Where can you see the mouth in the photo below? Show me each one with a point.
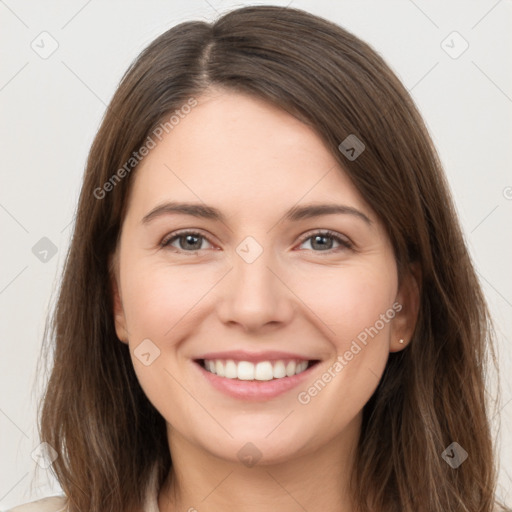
(265, 370)
(250, 377)
(254, 376)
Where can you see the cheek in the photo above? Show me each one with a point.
(158, 297)
(356, 305)
(349, 300)
(159, 306)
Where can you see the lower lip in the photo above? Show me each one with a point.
(255, 390)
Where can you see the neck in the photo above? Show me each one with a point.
(316, 480)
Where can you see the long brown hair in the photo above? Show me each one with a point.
(95, 415)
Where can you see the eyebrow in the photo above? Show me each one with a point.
(294, 214)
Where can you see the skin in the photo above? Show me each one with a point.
(253, 162)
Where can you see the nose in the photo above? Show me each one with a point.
(255, 295)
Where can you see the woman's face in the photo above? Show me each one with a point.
(223, 257)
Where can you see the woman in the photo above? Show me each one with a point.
(267, 302)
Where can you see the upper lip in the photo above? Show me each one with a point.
(254, 357)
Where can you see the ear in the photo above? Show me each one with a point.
(117, 303)
(407, 308)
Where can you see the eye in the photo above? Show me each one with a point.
(323, 241)
(188, 241)
(192, 241)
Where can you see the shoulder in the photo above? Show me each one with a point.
(53, 504)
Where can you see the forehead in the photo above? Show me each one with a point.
(239, 151)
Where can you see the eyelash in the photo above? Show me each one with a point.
(344, 243)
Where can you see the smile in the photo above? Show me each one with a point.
(260, 380)
(249, 371)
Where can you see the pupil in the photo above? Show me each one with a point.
(191, 238)
(322, 245)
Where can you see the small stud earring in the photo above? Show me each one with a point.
(401, 340)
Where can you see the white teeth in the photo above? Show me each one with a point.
(279, 370)
(245, 370)
(290, 368)
(301, 367)
(263, 371)
(230, 370)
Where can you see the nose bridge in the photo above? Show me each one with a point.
(252, 280)
(254, 296)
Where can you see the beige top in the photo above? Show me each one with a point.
(58, 503)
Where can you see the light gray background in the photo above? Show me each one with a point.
(51, 109)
